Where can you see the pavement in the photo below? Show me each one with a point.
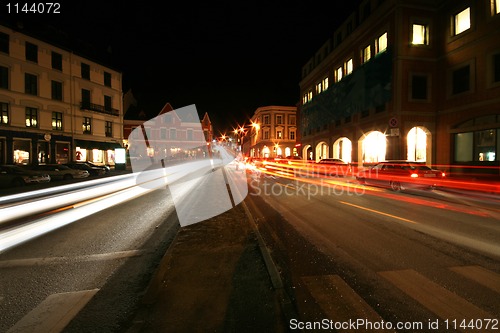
(217, 276)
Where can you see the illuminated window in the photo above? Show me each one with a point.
(87, 125)
(310, 95)
(325, 83)
(319, 88)
(348, 67)
(495, 7)
(57, 121)
(4, 113)
(366, 54)
(279, 135)
(338, 74)
(31, 117)
(461, 21)
(417, 145)
(420, 34)
(381, 43)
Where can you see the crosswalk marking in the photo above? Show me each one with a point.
(54, 313)
(439, 300)
(481, 275)
(339, 301)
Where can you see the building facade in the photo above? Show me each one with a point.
(56, 106)
(407, 79)
(272, 133)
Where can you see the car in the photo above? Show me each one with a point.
(333, 167)
(104, 167)
(401, 175)
(59, 171)
(14, 175)
(92, 170)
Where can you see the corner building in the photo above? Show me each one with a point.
(407, 79)
(56, 106)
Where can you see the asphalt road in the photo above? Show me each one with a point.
(427, 260)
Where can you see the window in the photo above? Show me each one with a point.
(419, 87)
(107, 103)
(338, 74)
(4, 43)
(366, 54)
(319, 88)
(57, 121)
(56, 61)
(496, 67)
(4, 113)
(495, 7)
(461, 21)
(87, 125)
(348, 67)
(85, 71)
(461, 80)
(266, 119)
(31, 52)
(306, 98)
(279, 135)
(291, 120)
(279, 119)
(57, 91)
(291, 135)
(266, 135)
(31, 117)
(4, 77)
(420, 34)
(108, 130)
(85, 98)
(163, 133)
(381, 43)
(325, 83)
(173, 133)
(107, 79)
(30, 84)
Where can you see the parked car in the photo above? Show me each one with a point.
(104, 167)
(92, 170)
(59, 171)
(333, 167)
(14, 175)
(401, 175)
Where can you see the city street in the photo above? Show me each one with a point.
(350, 252)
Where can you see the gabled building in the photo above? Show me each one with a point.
(407, 79)
(55, 105)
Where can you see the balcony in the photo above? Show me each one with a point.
(99, 108)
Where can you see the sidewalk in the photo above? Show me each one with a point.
(213, 278)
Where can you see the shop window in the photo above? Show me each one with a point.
(420, 34)
(461, 21)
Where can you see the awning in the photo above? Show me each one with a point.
(85, 144)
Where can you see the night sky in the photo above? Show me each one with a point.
(226, 57)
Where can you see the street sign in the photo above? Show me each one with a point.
(393, 122)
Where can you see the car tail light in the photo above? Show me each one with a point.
(443, 174)
(414, 175)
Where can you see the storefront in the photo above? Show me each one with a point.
(95, 151)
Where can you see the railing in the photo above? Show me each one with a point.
(99, 108)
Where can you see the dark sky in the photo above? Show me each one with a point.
(226, 57)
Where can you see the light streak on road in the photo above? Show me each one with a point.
(378, 212)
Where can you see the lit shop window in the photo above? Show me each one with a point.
(461, 21)
(338, 74)
(348, 67)
(381, 43)
(420, 34)
(366, 54)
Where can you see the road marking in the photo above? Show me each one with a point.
(441, 301)
(378, 212)
(56, 260)
(54, 313)
(338, 301)
(481, 275)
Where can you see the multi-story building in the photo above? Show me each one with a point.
(273, 132)
(56, 106)
(407, 79)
